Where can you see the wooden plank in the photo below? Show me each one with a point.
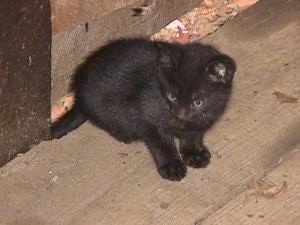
(25, 66)
(89, 178)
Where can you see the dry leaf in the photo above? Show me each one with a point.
(284, 98)
(175, 24)
(268, 189)
(183, 38)
(208, 3)
(122, 155)
(59, 109)
(244, 4)
(233, 6)
(199, 22)
(264, 188)
(164, 205)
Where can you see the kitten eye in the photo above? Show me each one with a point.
(198, 102)
(171, 96)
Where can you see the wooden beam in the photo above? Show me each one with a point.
(25, 70)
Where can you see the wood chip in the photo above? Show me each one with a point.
(284, 98)
(62, 107)
(164, 205)
(123, 155)
(265, 188)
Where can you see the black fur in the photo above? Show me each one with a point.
(136, 89)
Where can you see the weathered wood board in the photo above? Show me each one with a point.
(25, 75)
(88, 178)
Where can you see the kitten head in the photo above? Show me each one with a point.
(196, 81)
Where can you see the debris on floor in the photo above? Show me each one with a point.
(203, 20)
(264, 188)
(268, 189)
(284, 98)
(61, 107)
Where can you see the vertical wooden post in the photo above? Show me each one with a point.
(25, 75)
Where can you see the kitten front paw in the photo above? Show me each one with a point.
(197, 159)
(173, 171)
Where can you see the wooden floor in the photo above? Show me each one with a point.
(88, 178)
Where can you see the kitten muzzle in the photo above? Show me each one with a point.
(181, 114)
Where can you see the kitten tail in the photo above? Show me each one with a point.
(68, 122)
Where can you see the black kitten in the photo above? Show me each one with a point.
(137, 89)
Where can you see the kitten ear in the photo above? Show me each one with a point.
(167, 57)
(221, 68)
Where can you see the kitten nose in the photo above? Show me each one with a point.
(181, 114)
